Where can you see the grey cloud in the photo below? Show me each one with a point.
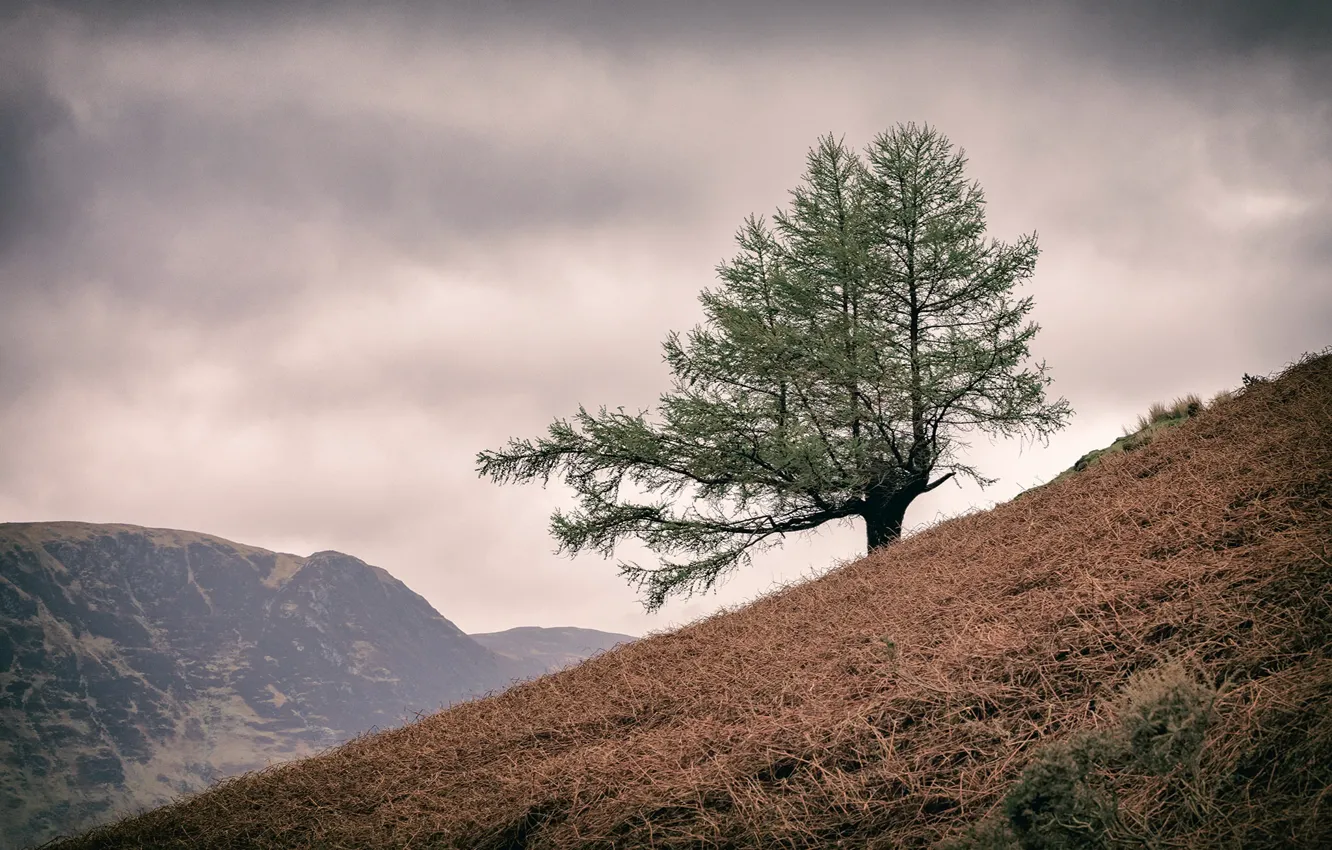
(1223, 26)
(445, 184)
(413, 185)
(420, 191)
(1226, 26)
(213, 323)
(29, 115)
(20, 126)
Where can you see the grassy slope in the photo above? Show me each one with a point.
(895, 700)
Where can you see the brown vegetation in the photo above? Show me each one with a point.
(901, 699)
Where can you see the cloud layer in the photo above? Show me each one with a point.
(279, 276)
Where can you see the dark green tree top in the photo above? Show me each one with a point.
(840, 349)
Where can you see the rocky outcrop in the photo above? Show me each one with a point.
(139, 664)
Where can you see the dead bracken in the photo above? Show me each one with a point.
(935, 690)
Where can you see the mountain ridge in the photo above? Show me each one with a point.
(137, 664)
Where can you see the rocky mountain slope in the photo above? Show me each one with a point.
(138, 664)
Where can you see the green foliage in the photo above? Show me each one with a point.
(1055, 806)
(1163, 715)
(1066, 798)
(841, 347)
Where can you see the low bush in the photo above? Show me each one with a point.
(1069, 796)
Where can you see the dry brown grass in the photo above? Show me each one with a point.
(1181, 408)
(896, 699)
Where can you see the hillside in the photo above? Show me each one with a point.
(974, 673)
(139, 664)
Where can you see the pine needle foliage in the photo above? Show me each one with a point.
(841, 348)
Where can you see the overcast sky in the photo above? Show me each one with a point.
(279, 277)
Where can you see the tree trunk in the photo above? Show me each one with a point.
(884, 510)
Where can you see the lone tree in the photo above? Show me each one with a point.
(835, 354)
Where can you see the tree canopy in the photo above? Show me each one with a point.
(840, 349)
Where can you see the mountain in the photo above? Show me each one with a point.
(138, 664)
(1134, 656)
(533, 650)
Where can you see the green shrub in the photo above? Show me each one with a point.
(1054, 806)
(1163, 715)
(1066, 797)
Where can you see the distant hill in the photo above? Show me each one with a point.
(1136, 655)
(137, 664)
(534, 650)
